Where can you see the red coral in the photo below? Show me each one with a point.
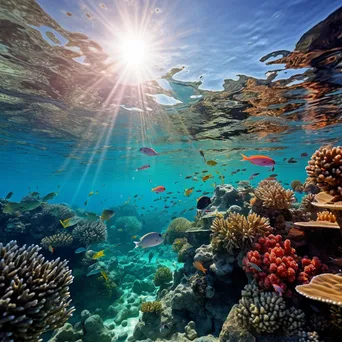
(311, 267)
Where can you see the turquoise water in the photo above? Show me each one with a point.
(79, 97)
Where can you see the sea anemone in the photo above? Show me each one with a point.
(88, 232)
(57, 240)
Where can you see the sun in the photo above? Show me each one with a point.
(134, 51)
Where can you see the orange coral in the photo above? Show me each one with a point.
(326, 216)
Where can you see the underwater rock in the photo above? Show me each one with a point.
(235, 209)
(224, 197)
(204, 254)
(94, 330)
(190, 331)
(222, 266)
(66, 333)
(142, 286)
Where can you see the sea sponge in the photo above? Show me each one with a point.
(273, 195)
(57, 240)
(261, 311)
(177, 229)
(129, 224)
(326, 216)
(88, 232)
(326, 287)
(325, 170)
(237, 232)
(151, 307)
(162, 276)
(61, 211)
(34, 293)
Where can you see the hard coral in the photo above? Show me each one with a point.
(61, 211)
(177, 229)
(237, 232)
(325, 170)
(326, 216)
(88, 232)
(311, 268)
(34, 293)
(152, 307)
(178, 244)
(162, 276)
(129, 224)
(57, 240)
(273, 195)
(297, 186)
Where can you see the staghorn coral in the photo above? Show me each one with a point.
(325, 288)
(260, 311)
(237, 232)
(273, 195)
(34, 293)
(88, 232)
(325, 170)
(151, 307)
(61, 211)
(326, 216)
(129, 224)
(162, 276)
(57, 240)
(177, 229)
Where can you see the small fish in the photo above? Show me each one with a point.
(205, 178)
(49, 196)
(51, 249)
(169, 193)
(150, 256)
(80, 250)
(278, 289)
(284, 159)
(206, 193)
(222, 179)
(188, 177)
(295, 233)
(98, 255)
(96, 193)
(134, 237)
(149, 240)
(271, 178)
(292, 161)
(11, 207)
(211, 162)
(146, 166)
(199, 266)
(96, 271)
(71, 221)
(91, 193)
(260, 160)
(203, 202)
(107, 214)
(256, 267)
(273, 175)
(304, 154)
(158, 189)
(253, 176)
(104, 275)
(29, 205)
(244, 170)
(205, 171)
(9, 195)
(85, 203)
(202, 154)
(188, 192)
(148, 151)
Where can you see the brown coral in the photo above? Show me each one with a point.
(325, 170)
(325, 287)
(273, 195)
(326, 216)
(57, 240)
(238, 231)
(88, 232)
(306, 202)
(297, 186)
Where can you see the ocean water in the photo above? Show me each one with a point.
(84, 85)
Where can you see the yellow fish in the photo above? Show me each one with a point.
(91, 193)
(134, 237)
(222, 178)
(205, 178)
(188, 192)
(11, 207)
(71, 221)
(218, 172)
(99, 254)
(96, 193)
(104, 275)
(211, 162)
(51, 249)
(213, 185)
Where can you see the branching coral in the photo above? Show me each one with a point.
(177, 229)
(88, 232)
(162, 276)
(237, 232)
(325, 169)
(62, 212)
(311, 268)
(34, 293)
(151, 307)
(326, 216)
(57, 240)
(129, 224)
(273, 195)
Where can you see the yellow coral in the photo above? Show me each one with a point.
(273, 195)
(237, 231)
(326, 216)
(154, 307)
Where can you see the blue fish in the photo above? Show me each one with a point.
(80, 250)
(256, 267)
(97, 271)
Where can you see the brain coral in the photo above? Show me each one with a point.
(273, 195)
(34, 293)
(177, 229)
(57, 240)
(88, 232)
(237, 232)
(129, 224)
(325, 170)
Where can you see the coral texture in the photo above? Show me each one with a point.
(177, 229)
(151, 306)
(306, 203)
(129, 224)
(326, 216)
(297, 186)
(34, 293)
(237, 232)
(88, 232)
(162, 276)
(273, 195)
(311, 268)
(57, 240)
(61, 211)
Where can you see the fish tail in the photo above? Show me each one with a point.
(136, 244)
(244, 157)
(62, 223)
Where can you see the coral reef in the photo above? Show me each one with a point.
(130, 224)
(151, 307)
(162, 277)
(326, 216)
(57, 240)
(34, 293)
(60, 211)
(237, 232)
(88, 232)
(177, 229)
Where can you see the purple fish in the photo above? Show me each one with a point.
(256, 267)
(148, 151)
(143, 167)
(278, 289)
(149, 240)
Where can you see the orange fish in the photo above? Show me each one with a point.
(295, 233)
(158, 189)
(260, 160)
(271, 178)
(199, 266)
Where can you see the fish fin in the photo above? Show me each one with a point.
(62, 223)
(136, 244)
(205, 270)
(244, 157)
(272, 168)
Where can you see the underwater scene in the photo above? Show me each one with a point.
(170, 170)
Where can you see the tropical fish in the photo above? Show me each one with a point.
(188, 192)
(273, 175)
(96, 193)
(150, 256)
(104, 275)
(9, 195)
(71, 221)
(134, 237)
(260, 160)
(202, 154)
(29, 205)
(278, 289)
(304, 154)
(205, 178)
(149, 240)
(11, 207)
(80, 250)
(222, 179)
(91, 193)
(146, 166)
(211, 162)
(188, 177)
(295, 233)
(199, 266)
(271, 178)
(203, 202)
(148, 151)
(107, 214)
(51, 249)
(158, 189)
(256, 267)
(96, 271)
(253, 176)
(292, 161)
(98, 255)
(49, 196)
(85, 203)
